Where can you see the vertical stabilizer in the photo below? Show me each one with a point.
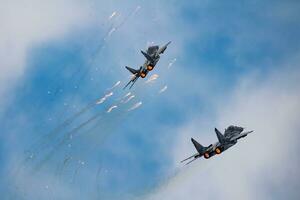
(199, 147)
(133, 71)
(221, 137)
(147, 56)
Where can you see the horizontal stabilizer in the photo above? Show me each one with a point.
(221, 137)
(133, 71)
(199, 147)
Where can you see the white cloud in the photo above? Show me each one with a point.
(25, 24)
(262, 165)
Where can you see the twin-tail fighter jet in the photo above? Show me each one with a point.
(231, 135)
(152, 57)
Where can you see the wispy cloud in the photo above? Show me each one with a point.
(24, 26)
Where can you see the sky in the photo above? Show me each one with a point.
(69, 130)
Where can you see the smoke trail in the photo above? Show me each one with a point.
(80, 164)
(171, 63)
(178, 175)
(97, 183)
(42, 141)
(129, 93)
(128, 16)
(122, 99)
(65, 139)
(85, 70)
(135, 106)
(100, 101)
(152, 78)
(115, 85)
(127, 100)
(46, 138)
(113, 29)
(163, 89)
(111, 108)
(107, 35)
(69, 134)
(112, 15)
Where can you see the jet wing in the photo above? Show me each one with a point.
(221, 137)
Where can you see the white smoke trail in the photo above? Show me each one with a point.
(111, 31)
(135, 106)
(136, 10)
(129, 93)
(131, 97)
(125, 98)
(163, 89)
(100, 101)
(171, 63)
(152, 78)
(115, 85)
(111, 108)
(112, 15)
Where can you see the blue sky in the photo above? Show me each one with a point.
(234, 62)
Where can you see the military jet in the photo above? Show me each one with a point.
(152, 57)
(231, 135)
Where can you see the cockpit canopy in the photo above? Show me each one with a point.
(234, 128)
(152, 49)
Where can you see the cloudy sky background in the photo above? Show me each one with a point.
(233, 63)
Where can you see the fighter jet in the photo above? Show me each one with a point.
(231, 135)
(152, 57)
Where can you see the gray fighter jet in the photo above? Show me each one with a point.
(231, 135)
(152, 57)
